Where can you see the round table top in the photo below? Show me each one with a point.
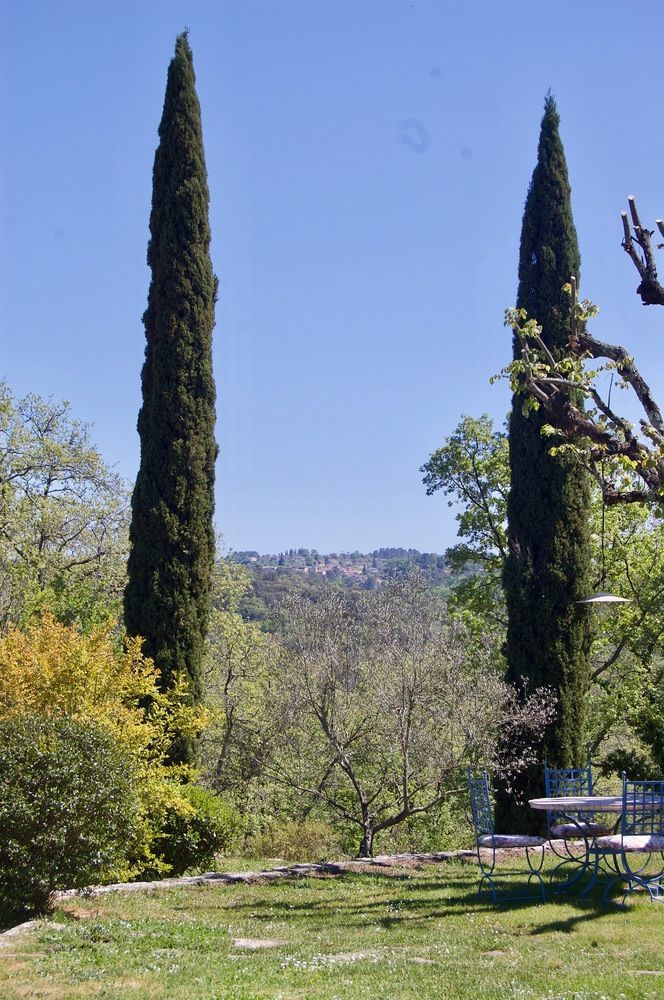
(579, 803)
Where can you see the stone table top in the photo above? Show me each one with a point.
(597, 803)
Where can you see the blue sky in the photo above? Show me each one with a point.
(368, 163)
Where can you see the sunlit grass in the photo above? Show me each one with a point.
(413, 932)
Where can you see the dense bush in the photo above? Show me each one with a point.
(51, 670)
(67, 808)
(196, 828)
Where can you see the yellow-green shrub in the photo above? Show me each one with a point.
(53, 670)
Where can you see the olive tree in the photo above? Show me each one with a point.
(239, 654)
(379, 703)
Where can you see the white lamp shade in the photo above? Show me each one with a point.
(603, 598)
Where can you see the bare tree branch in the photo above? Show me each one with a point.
(650, 290)
(599, 437)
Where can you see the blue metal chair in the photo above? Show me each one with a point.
(637, 851)
(570, 781)
(486, 839)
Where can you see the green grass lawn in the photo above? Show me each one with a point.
(406, 932)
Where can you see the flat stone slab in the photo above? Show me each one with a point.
(29, 925)
(255, 943)
(352, 956)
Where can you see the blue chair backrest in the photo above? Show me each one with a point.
(564, 781)
(643, 807)
(559, 781)
(480, 801)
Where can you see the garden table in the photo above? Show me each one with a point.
(574, 806)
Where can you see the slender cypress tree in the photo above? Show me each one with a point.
(548, 564)
(172, 539)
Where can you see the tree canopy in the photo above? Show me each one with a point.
(63, 516)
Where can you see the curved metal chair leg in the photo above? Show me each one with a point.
(486, 876)
(581, 868)
(582, 862)
(535, 869)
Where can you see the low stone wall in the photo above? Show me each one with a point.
(279, 872)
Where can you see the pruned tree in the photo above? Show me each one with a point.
(379, 703)
(627, 462)
(636, 235)
(627, 655)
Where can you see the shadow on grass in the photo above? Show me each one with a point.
(423, 903)
(12, 918)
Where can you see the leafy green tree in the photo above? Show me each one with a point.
(627, 543)
(628, 653)
(471, 468)
(63, 517)
(167, 598)
(548, 559)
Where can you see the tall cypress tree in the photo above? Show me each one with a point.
(548, 565)
(172, 538)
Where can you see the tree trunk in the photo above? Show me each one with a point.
(366, 844)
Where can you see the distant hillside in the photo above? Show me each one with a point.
(307, 570)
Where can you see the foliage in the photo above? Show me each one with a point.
(628, 463)
(627, 652)
(196, 828)
(648, 721)
(53, 671)
(239, 654)
(442, 829)
(472, 468)
(295, 840)
(378, 704)
(63, 516)
(172, 539)
(548, 554)
(67, 807)
(627, 546)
